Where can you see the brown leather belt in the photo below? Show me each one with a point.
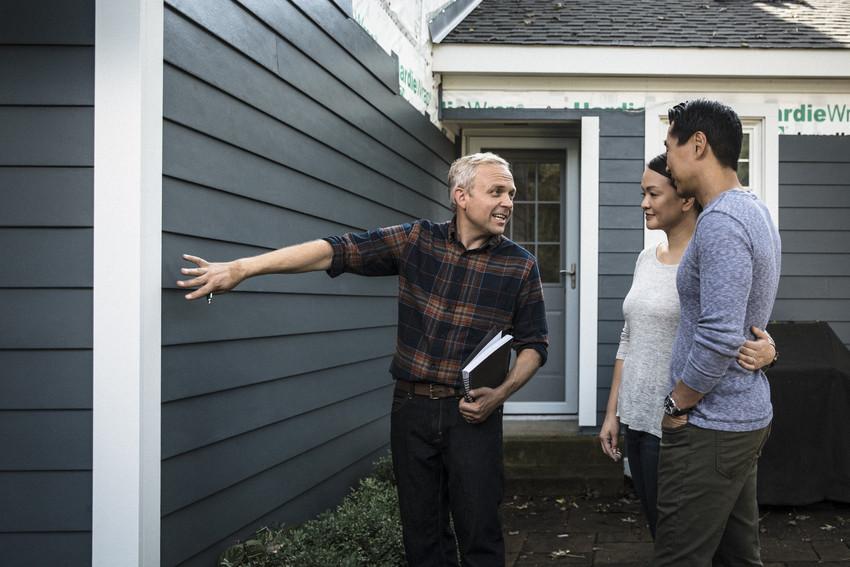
(428, 390)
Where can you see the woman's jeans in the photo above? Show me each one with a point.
(642, 452)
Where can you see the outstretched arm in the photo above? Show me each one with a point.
(218, 277)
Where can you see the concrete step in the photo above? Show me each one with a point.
(560, 464)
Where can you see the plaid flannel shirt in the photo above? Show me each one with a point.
(449, 297)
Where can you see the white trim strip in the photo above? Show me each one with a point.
(448, 28)
(126, 457)
(640, 61)
(588, 270)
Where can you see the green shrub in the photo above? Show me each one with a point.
(364, 530)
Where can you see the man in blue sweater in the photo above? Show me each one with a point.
(718, 414)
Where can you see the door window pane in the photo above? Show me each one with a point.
(548, 223)
(549, 182)
(524, 180)
(548, 259)
(522, 223)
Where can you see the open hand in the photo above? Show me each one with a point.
(216, 277)
(485, 401)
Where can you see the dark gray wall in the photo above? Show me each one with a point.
(46, 191)
(620, 218)
(282, 124)
(814, 222)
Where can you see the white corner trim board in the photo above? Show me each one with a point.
(126, 456)
(639, 61)
(589, 272)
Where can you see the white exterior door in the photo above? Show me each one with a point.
(545, 222)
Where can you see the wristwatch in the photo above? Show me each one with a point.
(671, 409)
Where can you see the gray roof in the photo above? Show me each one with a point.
(776, 24)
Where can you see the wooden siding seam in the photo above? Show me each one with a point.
(274, 466)
(318, 103)
(277, 206)
(272, 293)
(277, 164)
(241, 387)
(231, 536)
(277, 34)
(174, 120)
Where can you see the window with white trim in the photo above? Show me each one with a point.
(750, 162)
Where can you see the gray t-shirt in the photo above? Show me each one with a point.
(651, 313)
(727, 283)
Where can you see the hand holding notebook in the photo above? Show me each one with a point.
(487, 365)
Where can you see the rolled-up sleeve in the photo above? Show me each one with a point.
(373, 253)
(530, 330)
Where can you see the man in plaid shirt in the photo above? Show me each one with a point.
(457, 280)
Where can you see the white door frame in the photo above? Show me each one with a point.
(473, 141)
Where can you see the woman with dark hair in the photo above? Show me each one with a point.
(651, 311)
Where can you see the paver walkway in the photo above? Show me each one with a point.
(589, 529)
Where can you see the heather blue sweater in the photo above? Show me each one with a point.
(727, 282)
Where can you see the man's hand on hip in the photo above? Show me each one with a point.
(485, 401)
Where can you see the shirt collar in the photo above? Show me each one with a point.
(491, 242)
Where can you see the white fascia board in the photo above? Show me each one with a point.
(640, 61)
(126, 452)
(588, 271)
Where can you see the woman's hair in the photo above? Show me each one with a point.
(658, 164)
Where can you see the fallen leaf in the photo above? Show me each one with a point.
(513, 532)
(827, 527)
(628, 520)
(563, 535)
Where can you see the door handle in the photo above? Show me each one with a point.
(572, 273)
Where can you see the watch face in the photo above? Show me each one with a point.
(669, 406)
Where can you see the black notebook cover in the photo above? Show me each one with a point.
(491, 371)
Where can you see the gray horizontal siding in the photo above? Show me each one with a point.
(281, 125)
(321, 496)
(184, 531)
(48, 22)
(53, 548)
(231, 460)
(621, 165)
(814, 222)
(208, 367)
(46, 190)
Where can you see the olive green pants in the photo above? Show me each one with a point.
(707, 509)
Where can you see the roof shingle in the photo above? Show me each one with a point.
(773, 24)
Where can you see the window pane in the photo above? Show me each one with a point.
(548, 223)
(745, 147)
(744, 173)
(522, 223)
(549, 182)
(549, 260)
(524, 181)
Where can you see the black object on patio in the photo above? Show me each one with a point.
(807, 457)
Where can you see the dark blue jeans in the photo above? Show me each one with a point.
(642, 450)
(447, 468)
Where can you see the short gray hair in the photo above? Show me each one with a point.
(463, 170)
